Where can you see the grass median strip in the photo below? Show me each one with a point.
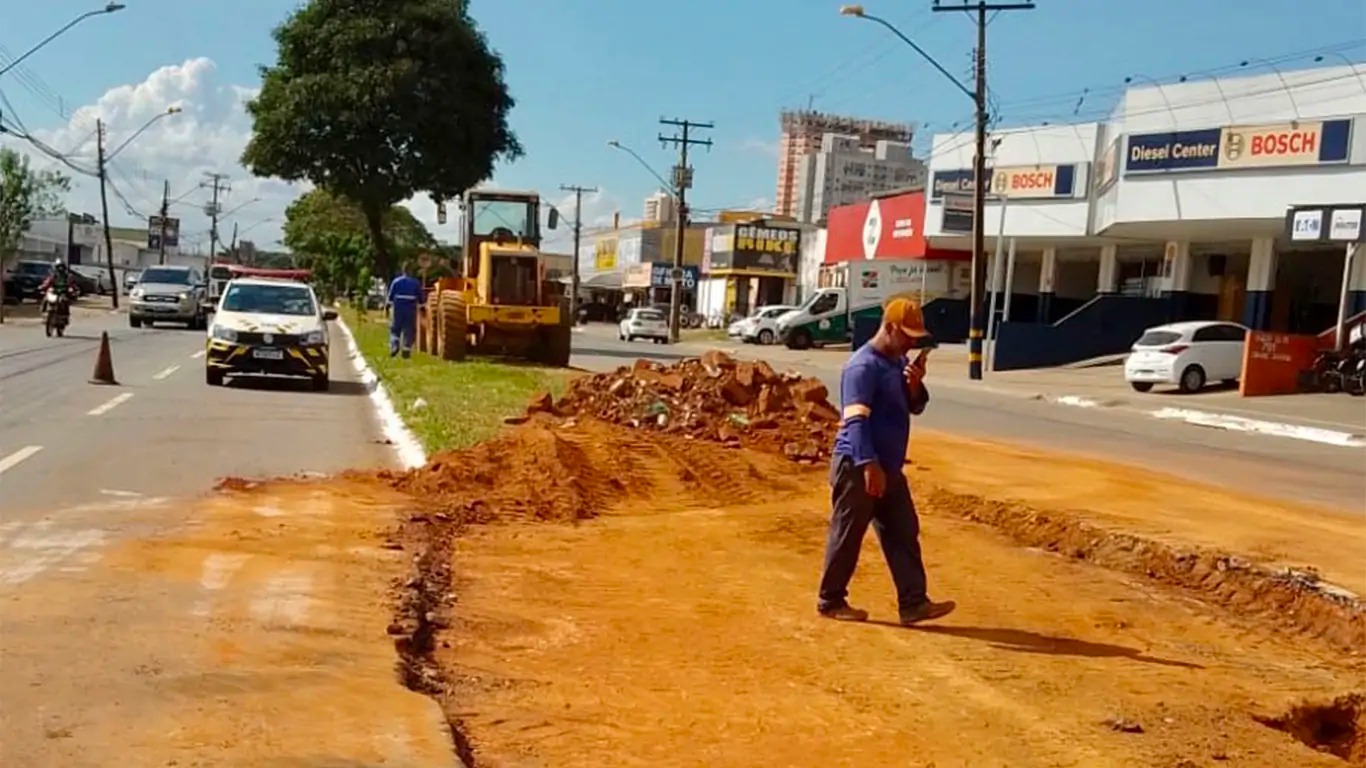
(462, 403)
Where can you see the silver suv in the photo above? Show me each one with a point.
(168, 294)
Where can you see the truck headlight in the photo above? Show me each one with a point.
(137, 293)
(224, 334)
(314, 338)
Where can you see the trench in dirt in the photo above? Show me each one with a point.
(601, 465)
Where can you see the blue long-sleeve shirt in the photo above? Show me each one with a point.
(877, 407)
(405, 292)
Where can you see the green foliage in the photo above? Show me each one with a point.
(25, 194)
(330, 236)
(381, 100)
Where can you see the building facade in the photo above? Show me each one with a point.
(802, 134)
(749, 265)
(843, 171)
(660, 208)
(1173, 208)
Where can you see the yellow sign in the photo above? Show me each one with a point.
(774, 240)
(1270, 145)
(605, 254)
(1025, 182)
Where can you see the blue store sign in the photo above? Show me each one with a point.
(1230, 148)
(660, 276)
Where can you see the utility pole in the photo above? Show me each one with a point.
(104, 208)
(165, 211)
(215, 183)
(578, 231)
(682, 180)
(232, 248)
(977, 296)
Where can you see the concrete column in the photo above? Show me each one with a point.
(1356, 287)
(1108, 280)
(1048, 277)
(1261, 283)
(1176, 278)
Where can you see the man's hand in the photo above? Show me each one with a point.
(915, 371)
(874, 480)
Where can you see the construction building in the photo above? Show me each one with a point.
(803, 132)
(844, 171)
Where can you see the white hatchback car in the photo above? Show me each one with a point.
(761, 327)
(1186, 354)
(644, 323)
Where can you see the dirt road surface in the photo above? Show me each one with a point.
(657, 608)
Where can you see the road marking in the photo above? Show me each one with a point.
(285, 599)
(197, 355)
(166, 372)
(10, 461)
(217, 573)
(121, 494)
(1257, 426)
(113, 403)
(46, 548)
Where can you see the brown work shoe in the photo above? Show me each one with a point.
(927, 611)
(844, 613)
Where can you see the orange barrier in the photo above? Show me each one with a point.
(1273, 363)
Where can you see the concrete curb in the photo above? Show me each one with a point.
(409, 451)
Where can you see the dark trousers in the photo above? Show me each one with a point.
(898, 530)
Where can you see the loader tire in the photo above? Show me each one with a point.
(431, 329)
(556, 345)
(453, 326)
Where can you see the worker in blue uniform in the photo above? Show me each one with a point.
(405, 298)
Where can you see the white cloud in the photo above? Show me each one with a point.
(209, 136)
(768, 148)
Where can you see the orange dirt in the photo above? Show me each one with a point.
(673, 623)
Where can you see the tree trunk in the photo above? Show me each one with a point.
(374, 222)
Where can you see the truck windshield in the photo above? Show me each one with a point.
(518, 217)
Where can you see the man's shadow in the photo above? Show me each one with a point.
(1024, 641)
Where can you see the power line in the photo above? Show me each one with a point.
(682, 180)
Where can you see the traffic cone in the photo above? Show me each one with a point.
(104, 364)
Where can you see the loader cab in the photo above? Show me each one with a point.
(502, 243)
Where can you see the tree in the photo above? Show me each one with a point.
(381, 100)
(25, 194)
(331, 235)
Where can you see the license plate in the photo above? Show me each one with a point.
(268, 354)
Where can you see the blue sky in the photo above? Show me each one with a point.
(586, 71)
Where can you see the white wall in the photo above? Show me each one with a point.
(1327, 92)
(809, 263)
(711, 296)
(1035, 145)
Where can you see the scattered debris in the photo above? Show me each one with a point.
(715, 397)
(1124, 725)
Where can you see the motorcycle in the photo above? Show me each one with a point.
(56, 313)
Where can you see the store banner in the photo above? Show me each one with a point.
(957, 182)
(1239, 147)
(1326, 223)
(635, 276)
(958, 215)
(605, 255)
(661, 276)
(1034, 182)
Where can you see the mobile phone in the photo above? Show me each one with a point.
(924, 343)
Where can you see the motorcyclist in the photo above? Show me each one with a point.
(59, 281)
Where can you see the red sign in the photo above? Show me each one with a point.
(882, 228)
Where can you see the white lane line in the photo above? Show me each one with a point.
(1257, 426)
(166, 372)
(113, 403)
(12, 460)
(197, 355)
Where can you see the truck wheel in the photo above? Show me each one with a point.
(134, 322)
(800, 339)
(454, 326)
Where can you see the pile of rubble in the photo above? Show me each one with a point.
(714, 397)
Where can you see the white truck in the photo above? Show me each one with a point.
(860, 289)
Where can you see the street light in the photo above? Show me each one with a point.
(668, 187)
(977, 322)
(142, 130)
(110, 8)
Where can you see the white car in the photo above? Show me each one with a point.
(761, 327)
(99, 275)
(644, 323)
(267, 326)
(1188, 355)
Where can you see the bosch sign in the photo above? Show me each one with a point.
(1021, 182)
(1237, 147)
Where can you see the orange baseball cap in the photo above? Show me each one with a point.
(905, 314)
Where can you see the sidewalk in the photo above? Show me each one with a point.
(1336, 419)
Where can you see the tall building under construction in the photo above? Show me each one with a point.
(803, 131)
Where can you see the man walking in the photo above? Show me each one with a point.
(405, 297)
(879, 392)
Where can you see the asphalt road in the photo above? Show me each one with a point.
(162, 431)
(1274, 466)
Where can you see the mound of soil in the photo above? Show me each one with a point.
(531, 473)
(714, 397)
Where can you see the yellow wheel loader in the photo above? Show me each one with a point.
(503, 304)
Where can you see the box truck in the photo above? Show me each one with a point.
(857, 289)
